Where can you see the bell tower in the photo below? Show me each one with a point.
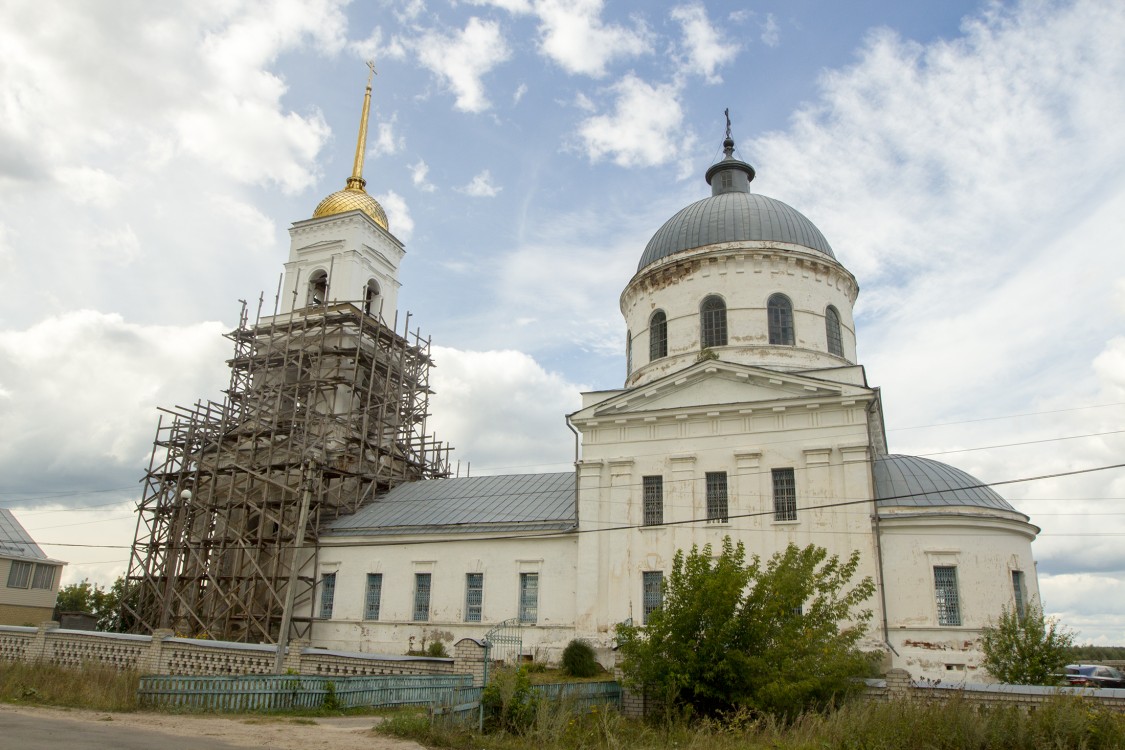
(345, 252)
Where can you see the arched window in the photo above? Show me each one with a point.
(780, 314)
(658, 336)
(713, 322)
(832, 330)
(371, 301)
(318, 289)
(628, 354)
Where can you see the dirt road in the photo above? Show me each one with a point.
(38, 727)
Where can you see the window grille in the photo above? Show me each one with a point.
(658, 336)
(373, 596)
(628, 353)
(529, 598)
(784, 495)
(713, 322)
(780, 314)
(653, 597)
(1017, 591)
(421, 597)
(717, 496)
(44, 577)
(832, 330)
(19, 575)
(654, 500)
(474, 596)
(945, 589)
(327, 594)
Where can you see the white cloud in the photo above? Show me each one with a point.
(398, 214)
(519, 92)
(84, 389)
(481, 186)
(573, 35)
(515, 7)
(462, 59)
(418, 173)
(705, 46)
(771, 32)
(502, 411)
(386, 142)
(644, 130)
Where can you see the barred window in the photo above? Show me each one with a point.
(832, 330)
(421, 597)
(628, 353)
(784, 495)
(713, 322)
(717, 496)
(327, 594)
(780, 313)
(19, 575)
(474, 596)
(44, 576)
(654, 500)
(1017, 592)
(653, 591)
(945, 589)
(529, 598)
(373, 596)
(658, 336)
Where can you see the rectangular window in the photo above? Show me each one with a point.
(529, 597)
(717, 496)
(373, 597)
(19, 576)
(784, 495)
(474, 596)
(945, 589)
(1017, 592)
(44, 577)
(654, 500)
(653, 582)
(421, 597)
(327, 594)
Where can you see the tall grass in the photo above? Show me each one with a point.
(1064, 722)
(95, 687)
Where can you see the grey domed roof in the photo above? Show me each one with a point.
(913, 481)
(733, 217)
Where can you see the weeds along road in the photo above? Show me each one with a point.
(42, 728)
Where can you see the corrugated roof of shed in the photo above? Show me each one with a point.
(489, 503)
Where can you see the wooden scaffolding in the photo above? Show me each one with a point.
(326, 410)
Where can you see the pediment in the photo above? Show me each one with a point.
(716, 383)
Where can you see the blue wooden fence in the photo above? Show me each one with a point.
(462, 704)
(285, 692)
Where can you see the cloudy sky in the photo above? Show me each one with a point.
(966, 162)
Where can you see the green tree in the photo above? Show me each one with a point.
(1028, 650)
(779, 637)
(105, 604)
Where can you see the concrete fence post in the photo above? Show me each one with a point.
(468, 658)
(151, 662)
(292, 663)
(37, 650)
(899, 683)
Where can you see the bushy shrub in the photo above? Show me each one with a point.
(578, 659)
(436, 648)
(509, 702)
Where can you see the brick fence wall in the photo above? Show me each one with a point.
(899, 685)
(162, 653)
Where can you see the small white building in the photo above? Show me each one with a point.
(744, 413)
(30, 578)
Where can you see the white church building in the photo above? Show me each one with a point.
(745, 413)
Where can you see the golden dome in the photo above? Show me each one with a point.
(352, 199)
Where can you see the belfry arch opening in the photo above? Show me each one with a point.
(372, 300)
(318, 289)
